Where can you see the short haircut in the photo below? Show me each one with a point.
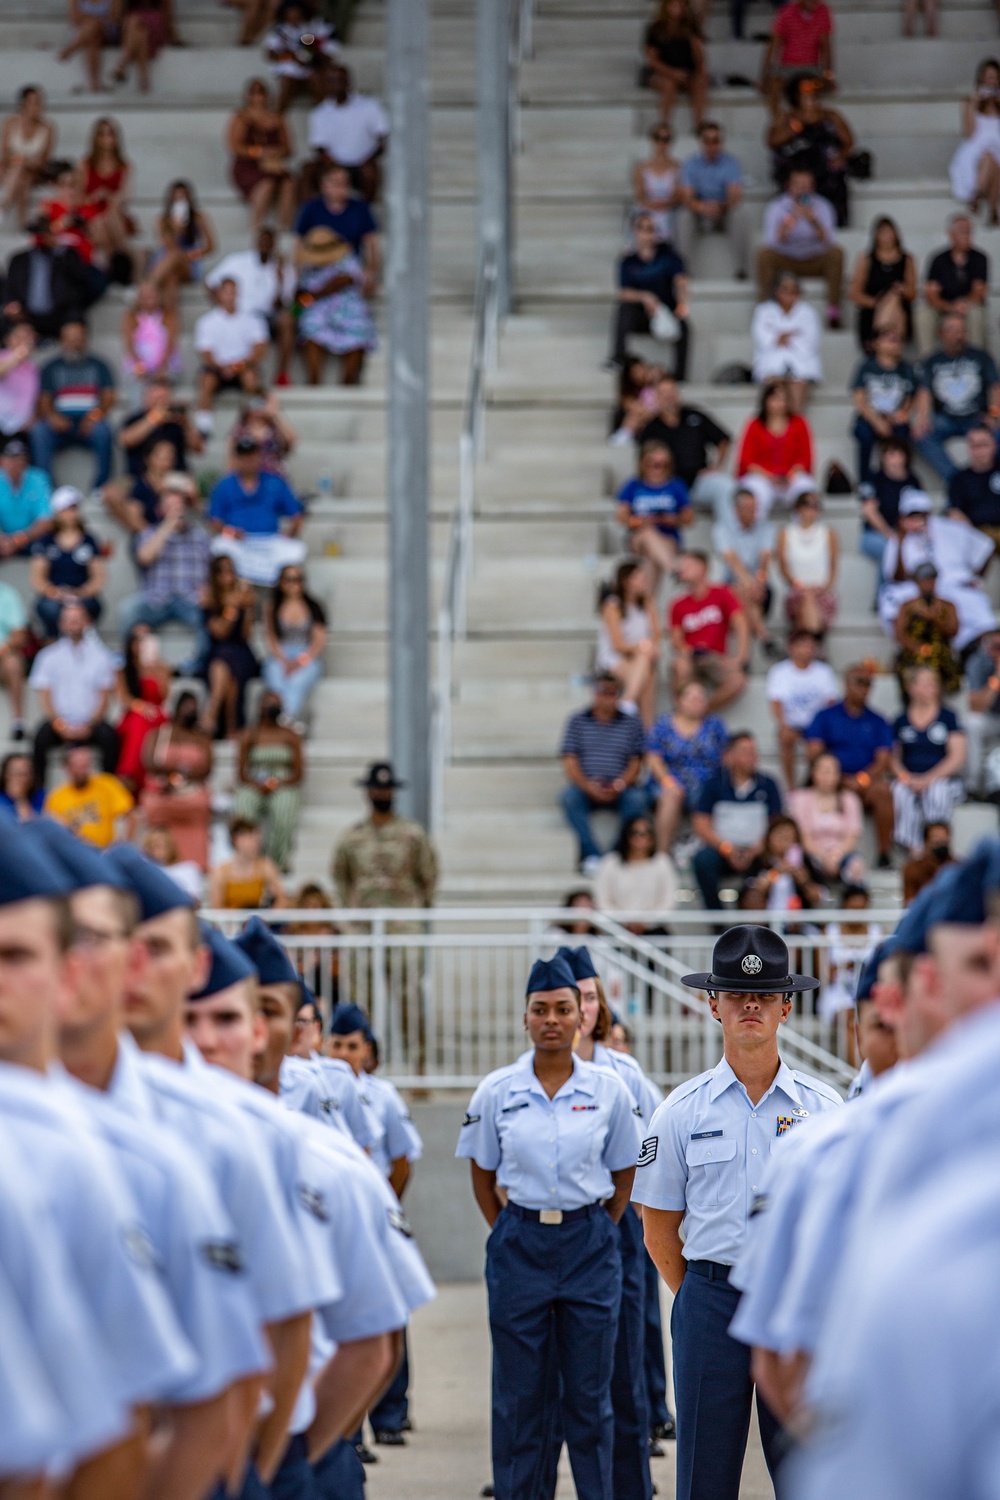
(242, 825)
(741, 734)
(698, 555)
(707, 125)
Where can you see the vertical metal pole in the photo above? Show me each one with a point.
(408, 288)
(493, 118)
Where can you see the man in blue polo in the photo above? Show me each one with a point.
(602, 752)
(862, 742)
(246, 510)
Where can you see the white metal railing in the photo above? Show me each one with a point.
(444, 987)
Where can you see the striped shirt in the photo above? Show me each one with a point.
(603, 749)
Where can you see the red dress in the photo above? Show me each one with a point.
(100, 187)
(777, 454)
(134, 728)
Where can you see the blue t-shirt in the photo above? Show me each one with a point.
(258, 512)
(352, 223)
(854, 740)
(657, 500)
(692, 761)
(68, 569)
(21, 508)
(921, 750)
(710, 179)
(656, 275)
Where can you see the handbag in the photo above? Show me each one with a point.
(664, 326)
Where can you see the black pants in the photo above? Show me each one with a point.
(102, 737)
(632, 317)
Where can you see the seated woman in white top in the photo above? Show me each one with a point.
(786, 334)
(628, 637)
(808, 552)
(656, 182)
(634, 877)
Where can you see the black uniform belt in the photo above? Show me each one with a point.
(553, 1215)
(712, 1270)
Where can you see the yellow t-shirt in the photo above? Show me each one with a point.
(90, 811)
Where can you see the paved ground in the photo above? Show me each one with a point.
(448, 1454)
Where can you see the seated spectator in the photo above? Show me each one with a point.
(830, 819)
(884, 285)
(982, 717)
(150, 338)
(634, 877)
(745, 545)
(808, 553)
(66, 565)
(637, 383)
(800, 45)
(13, 654)
(19, 794)
(246, 509)
(159, 846)
(799, 236)
(335, 316)
(295, 632)
(956, 281)
(249, 881)
(808, 135)
(19, 380)
(138, 503)
(628, 639)
(175, 796)
(230, 346)
(47, 284)
(92, 804)
(186, 239)
(77, 394)
(685, 750)
(884, 386)
(654, 505)
(299, 48)
(25, 501)
(731, 819)
(265, 285)
(786, 336)
(921, 868)
(974, 492)
(879, 494)
(861, 741)
(959, 387)
(925, 628)
(147, 27)
(797, 688)
(960, 554)
(27, 144)
(349, 217)
(350, 129)
(656, 189)
(698, 446)
(652, 297)
(776, 450)
(261, 148)
(105, 177)
(72, 220)
(270, 772)
(700, 623)
(602, 753)
(162, 417)
(675, 59)
(227, 609)
(143, 685)
(928, 759)
(712, 196)
(97, 24)
(975, 167)
(785, 881)
(263, 423)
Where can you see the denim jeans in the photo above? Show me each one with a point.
(137, 610)
(932, 447)
(866, 438)
(293, 688)
(577, 807)
(873, 546)
(46, 443)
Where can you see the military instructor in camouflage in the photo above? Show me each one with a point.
(386, 860)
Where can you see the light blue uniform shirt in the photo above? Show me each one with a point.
(396, 1134)
(31, 1420)
(646, 1095)
(108, 1245)
(299, 1089)
(551, 1153)
(861, 1081)
(341, 1093)
(710, 1149)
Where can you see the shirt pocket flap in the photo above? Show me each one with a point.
(707, 1153)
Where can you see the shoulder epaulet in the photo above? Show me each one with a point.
(818, 1086)
(684, 1090)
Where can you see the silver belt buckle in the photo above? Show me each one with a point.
(550, 1216)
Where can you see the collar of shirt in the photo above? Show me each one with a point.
(723, 1078)
(126, 1087)
(525, 1081)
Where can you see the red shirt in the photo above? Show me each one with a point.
(777, 454)
(800, 33)
(704, 623)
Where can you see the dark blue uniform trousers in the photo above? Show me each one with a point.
(714, 1390)
(394, 1407)
(554, 1294)
(655, 1363)
(254, 1488)
(294, 1478)
(340, 1474)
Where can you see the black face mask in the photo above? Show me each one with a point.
(940, 852)
(187, 718)
(381, 801)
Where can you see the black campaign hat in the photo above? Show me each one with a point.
(750, 960)
(380, 777)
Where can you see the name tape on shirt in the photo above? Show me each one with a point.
(647, 1151)
(471, 1120)
(510, 1109)
(706, 1135)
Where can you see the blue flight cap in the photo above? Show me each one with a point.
(915, 923)
(157, 893)
(550, 974)
(79, 861)
(964, 899)
(309, 998)
(579, 962)
(268, 957)
(27, 870)
(348, 1018)
(870, 968)
(230, 964)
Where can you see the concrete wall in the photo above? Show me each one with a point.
(439, 1204)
